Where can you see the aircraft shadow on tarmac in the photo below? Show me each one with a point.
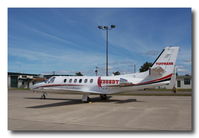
(78, 101)
(36, 98)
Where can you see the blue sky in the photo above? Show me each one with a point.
(67, 40)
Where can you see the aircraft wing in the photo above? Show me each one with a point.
(65, 90)
(83, 91)
(122, 83)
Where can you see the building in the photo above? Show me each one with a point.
(184, 82)
(21, 80)
(25, 80)
(180, 82)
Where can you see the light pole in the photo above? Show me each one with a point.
(96, 71)
(134, 66)
(107, 28)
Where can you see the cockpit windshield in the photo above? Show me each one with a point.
(50, 80)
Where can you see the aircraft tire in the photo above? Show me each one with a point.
(43, 96)
(103, 96)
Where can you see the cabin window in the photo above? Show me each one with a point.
(91, 80)
(70, 80)
(65, 80)
(80, 80)
(85, 81)
(75, 80)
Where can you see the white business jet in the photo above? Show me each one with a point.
(159, 74)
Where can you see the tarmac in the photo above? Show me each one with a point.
(66, 112)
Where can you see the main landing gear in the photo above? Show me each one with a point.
(85, 98)
(43, 96)
(103, 96)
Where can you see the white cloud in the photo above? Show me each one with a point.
(152, 52)
(50, 35)
(184, 59)
(182, 69)
(188, 61)
(58, 61)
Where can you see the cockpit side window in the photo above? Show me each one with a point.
(51, 80)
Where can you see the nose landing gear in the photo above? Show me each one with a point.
(43, 96)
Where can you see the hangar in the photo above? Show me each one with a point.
(21, 80)
(26, 80)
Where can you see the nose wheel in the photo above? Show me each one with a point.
(43, 96)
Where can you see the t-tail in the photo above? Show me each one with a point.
(165, 63)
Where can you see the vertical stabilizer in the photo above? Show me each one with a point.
(166, 60)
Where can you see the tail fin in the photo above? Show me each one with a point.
(166, 61)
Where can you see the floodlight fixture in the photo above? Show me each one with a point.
(113, 26)
(100, 27)
(106, 27)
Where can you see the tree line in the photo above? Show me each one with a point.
(143, 68)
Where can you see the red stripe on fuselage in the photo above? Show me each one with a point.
(151, 81)
(51, 85)
(99, 82)
(166, 77)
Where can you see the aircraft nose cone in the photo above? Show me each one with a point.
(32, 87)
(37, 85)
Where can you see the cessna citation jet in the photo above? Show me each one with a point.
(159, 74)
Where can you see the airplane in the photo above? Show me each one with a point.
(159, 74)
